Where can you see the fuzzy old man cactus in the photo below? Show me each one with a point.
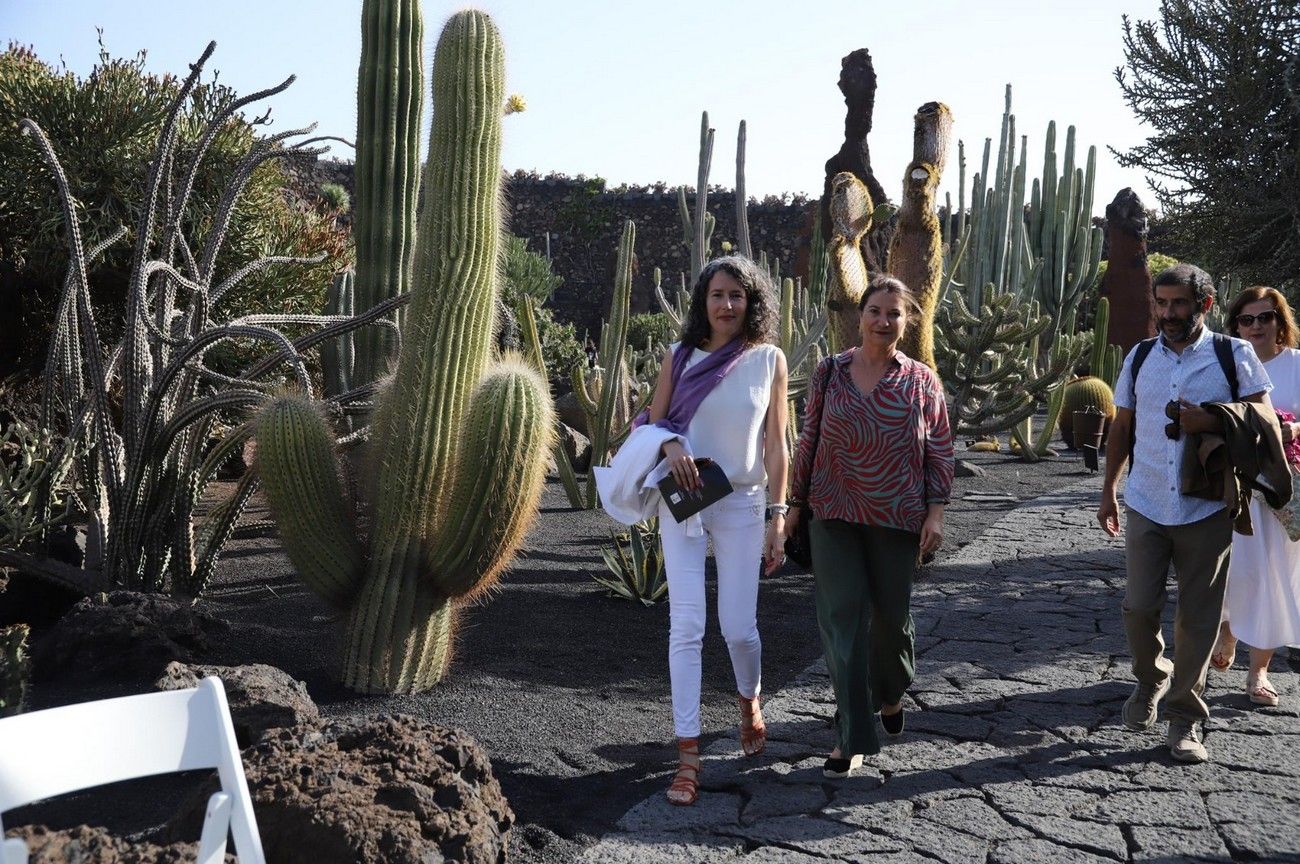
(916, 248)
(459, 441)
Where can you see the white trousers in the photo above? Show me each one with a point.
(735, 524)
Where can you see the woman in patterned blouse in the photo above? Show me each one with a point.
(876, 488)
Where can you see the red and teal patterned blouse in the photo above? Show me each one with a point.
(883, 457)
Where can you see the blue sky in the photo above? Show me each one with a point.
(616, 89)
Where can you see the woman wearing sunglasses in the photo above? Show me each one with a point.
(1262, 600)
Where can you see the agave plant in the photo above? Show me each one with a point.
(142, 411)
(637, 564)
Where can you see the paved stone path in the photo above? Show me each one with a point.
(1013, 750)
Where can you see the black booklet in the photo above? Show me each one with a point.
(683, 504)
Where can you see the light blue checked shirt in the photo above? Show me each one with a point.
(1194, 375)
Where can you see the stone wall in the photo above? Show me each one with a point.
(583, 221)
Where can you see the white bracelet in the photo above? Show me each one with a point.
(780, 509)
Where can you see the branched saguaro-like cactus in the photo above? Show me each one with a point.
(459, 441)
(390, 100)
(916, 248)
(145, 460)
(605, 393)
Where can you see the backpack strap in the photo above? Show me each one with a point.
(1139, 357)
(1223, 350)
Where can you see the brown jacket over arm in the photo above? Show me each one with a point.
(1225, 466)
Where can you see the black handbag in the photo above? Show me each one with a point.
(798, 546)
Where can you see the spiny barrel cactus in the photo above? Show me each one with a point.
(459, 441)
(1079, 395)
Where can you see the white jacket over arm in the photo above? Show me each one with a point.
(627, 485)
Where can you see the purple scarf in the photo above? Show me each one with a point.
(690, 387)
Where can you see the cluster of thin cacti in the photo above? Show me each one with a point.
(611, 395)
(15, 669)
(1021, 265)
(988, 359)
(1106, 359)
(143, 457)
(35, 492)
(459, 439)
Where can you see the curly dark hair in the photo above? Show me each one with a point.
(1189, 276)
(760, 302)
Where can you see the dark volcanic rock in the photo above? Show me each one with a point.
(571, 413)
(125, 638)
(380, 789)
(261, 697)
(576, 446)
(86, 845)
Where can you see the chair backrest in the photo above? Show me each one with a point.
(60, 750)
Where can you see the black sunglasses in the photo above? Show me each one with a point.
(1263, 318)
(1174, 412)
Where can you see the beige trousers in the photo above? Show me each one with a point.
(1199, 554)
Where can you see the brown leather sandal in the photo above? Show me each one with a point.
(753, 731)
(685, 788)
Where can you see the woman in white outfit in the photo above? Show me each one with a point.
(739, 423)
(1262, 603)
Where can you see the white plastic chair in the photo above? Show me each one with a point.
(61, 750)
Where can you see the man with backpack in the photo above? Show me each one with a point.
(1158, 396)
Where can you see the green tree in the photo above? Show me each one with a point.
(105, 127)
(1218, 82)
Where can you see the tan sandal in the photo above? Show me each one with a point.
(1261, 692)
(685, 788)
(753, 731)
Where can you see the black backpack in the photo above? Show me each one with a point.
(1222, 350)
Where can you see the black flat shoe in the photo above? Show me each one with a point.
(893, 723)
(838, 768)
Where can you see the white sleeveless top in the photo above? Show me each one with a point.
(729, 425)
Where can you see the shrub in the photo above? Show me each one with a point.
(336, 197)
(528, 274)
(105, 127)
(657, 327)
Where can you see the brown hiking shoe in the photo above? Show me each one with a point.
(1140, 710)
(1184, 741)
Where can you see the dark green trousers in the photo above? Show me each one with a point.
(863, 576)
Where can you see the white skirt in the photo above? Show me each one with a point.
(1263, 593)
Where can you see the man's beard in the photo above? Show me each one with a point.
(1185, 327)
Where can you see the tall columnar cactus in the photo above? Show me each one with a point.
(742, 202)
(605, 393)
(697, 230)
(916, 248)
(1052, 256)
(460, 442)
(390, 100)
(1061, 232)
